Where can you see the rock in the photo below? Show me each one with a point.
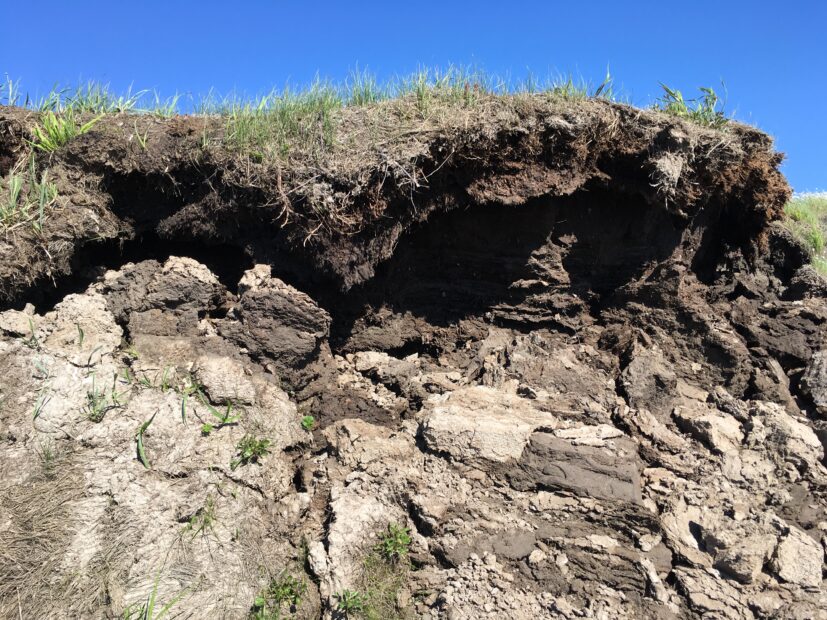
(357, 515)
(711, 596)
(481, 425)
(180, 285)
(720, 432)
(81, 329)
(806, 283)
(798, 559)
(537, 558)
(17, 324)
(786, 439)
(649, 382)
(814, 382)
(357, 443)
(224, 380)
(551, 462)
(317, 559)
(739, 548)
(279, 320)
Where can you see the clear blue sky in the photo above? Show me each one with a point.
(771, 55)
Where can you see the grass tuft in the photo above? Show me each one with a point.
(56, 130)
(706, 110)
(807, 220)
(25, 198)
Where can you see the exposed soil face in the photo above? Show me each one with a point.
(565, 343)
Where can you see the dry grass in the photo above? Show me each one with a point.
(36, 529)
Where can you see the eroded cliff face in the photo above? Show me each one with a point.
(564, 344)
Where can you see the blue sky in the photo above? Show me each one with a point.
(772, 56)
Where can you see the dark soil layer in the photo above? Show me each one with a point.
(334, 217)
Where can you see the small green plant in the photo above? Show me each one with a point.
(147, 610)
(704, 110)
(25, 199)
(48, 457)
(140, 137)
(31, 340)
(308, 422)
(99, 401)
(250, 450)
(139, 441)
(283, 590)
(394, 543)
(384, 575)
(203, 519)
(349, 602)
(224, 418)
(166, 379)
(43, 397)
(56, 130)
(165, 108)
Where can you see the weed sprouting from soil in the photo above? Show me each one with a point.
(223, 417)
(308, 422)
(394, 543)
(147, 610)
(706, 110)
(349, 603)
(139, 441)
(384, 575)
(55, 130)
(100, 400)
(284, 591)
(250, 450)
(204, 519)
(807, 220)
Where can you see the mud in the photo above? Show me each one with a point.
(576, 356)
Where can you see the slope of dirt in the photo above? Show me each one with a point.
(566, 344)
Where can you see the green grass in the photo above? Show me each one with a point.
(807, 219)
(706, 109)
(384, 573)
(291, 121)
(99, 400)
(283, 593)
(152, 609)
(25, 198)
(204, 519)
(139, 441)
(56, 130)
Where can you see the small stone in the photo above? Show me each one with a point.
(536, 558)
(798, 559)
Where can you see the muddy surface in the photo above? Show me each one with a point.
(578, 359)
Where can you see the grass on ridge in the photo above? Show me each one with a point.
(304, 120)
(807, 219)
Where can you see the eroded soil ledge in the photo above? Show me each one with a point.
(565, 343)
